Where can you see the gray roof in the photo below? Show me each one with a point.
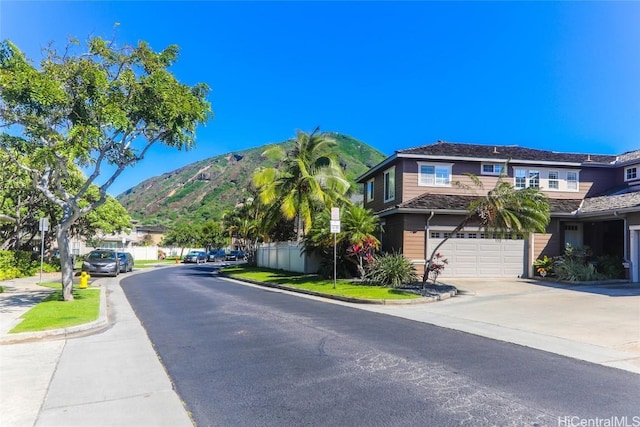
(428, 202)
(513, 152)
(629, 156)
(611, 203)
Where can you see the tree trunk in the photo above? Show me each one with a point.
(66, 261)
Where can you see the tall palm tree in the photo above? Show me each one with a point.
(307, 178)
(503, 210)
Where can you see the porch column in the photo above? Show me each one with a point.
(634, 253)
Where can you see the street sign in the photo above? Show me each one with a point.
(44, 224)
(335, 214)
(335, 226)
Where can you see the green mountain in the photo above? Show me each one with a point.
(205, 189)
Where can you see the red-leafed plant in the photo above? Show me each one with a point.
(437, 266)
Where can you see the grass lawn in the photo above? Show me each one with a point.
(312, 282)
(151, 262)
(53, 313)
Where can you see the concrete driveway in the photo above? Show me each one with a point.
(597, 323)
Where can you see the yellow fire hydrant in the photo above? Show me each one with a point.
(84, 280)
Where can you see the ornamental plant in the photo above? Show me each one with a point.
(437, 266)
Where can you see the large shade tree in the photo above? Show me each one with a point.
(502, 211)
(101, 109)
(306, 180)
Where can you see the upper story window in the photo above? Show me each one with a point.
(492, 169)
(390, 184)
(554, 182)
(631, 173)
(548, 180)
(434, 174)
(370, 190)
(572, 180)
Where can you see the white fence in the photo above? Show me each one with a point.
(151, 252)
(286, 256)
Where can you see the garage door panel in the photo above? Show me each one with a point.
(481, 257)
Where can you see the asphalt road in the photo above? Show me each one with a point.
(246, 356)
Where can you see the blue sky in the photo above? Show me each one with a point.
(561, 76)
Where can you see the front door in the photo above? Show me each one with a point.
(573, 234)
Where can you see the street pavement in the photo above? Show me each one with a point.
(108, 374)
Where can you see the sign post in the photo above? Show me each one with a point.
(335, 229)
(43, 227)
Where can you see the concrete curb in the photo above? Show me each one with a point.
(100, 323)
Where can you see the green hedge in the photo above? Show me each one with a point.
(19, 264)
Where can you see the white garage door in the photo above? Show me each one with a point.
(482, 257)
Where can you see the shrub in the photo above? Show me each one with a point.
(391, 270)
(573, 265)
(610, 266)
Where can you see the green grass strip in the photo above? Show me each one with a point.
(315, 283)
(150, 263)
(54, 313)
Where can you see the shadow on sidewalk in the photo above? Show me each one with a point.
(621, 289)
(10, 301)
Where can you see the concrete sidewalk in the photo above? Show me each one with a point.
(109, 378)
(113, 377)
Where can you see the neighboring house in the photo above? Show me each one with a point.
(594, 200)
(140, 235)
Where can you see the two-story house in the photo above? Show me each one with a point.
(421, 194)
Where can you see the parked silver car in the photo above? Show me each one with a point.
(102, 261)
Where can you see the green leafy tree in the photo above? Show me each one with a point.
(101, 109)
(503, 210)
(307, 179)
(184, 234)
(213, 235)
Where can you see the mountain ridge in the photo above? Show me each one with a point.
(205, 189)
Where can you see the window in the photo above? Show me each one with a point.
(434, 175)
(390, 184)
(491, 169)
(525, 178)
(534, 179)
(521, 178)
(447, 235)
(435, 235)
(473, 235)
(459, 235)
(630, 173)
(572, 180)
(553, 180)
(370, 190)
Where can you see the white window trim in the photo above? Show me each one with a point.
(637, 168)
(449, 166)
(543, 179)
(494, 173)
(370, 194)
(392, 193)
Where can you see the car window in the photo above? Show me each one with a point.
(101, 255)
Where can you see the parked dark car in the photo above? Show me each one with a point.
(102, 261)
(126, 262)
(235, 256)
(196, 256)
(214, 256)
